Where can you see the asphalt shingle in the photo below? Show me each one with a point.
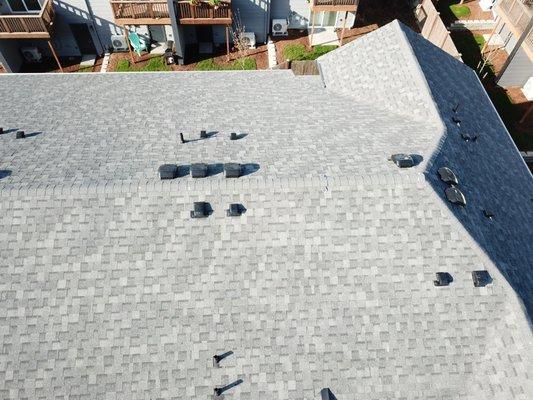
(110, 290)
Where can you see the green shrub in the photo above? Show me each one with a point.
(123, 66)
(295, 51)
(207, 65)
(154, 64)
(320, 50)
(460, 11)
(298, 52)
(246, 63)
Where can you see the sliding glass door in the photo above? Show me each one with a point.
(22, 6)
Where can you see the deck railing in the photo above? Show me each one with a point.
(127, 11)
(204, 13)
(517, 14)
(36, 25)
(334, 5)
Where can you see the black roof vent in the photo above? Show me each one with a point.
(233, 136)
(443, 279)
(233, 170)
(203, 135)
(457, 120)
(220, 390)
(235, 210)
(488, 214)
(168, 171)
(456, 107)
(481, 278)
(327, 394)
(467, 138)
(20, 135)
(403, 160)
(199, 170)
(201, 209)
(182, 138)
(447, 175)
(1, 131)
(219, 357)
(455, 196)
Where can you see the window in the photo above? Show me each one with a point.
(24, 5)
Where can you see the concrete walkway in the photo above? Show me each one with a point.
(326, 35)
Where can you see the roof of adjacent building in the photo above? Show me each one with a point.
(110, 290)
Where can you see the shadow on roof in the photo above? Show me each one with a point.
(493, 177)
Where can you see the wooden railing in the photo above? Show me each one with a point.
(204, 14)
(28, 26)
(334, 5)
(139, 12)
(517, 15)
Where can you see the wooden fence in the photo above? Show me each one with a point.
(433, 29)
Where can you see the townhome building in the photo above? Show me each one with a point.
(515, 27)
(33, 29)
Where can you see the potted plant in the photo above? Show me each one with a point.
(194, 2)
(214, 3)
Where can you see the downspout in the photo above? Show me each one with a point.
(267, 22)
(177, 31)
(93, 23)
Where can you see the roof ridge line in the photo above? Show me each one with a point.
(160, 186)
(417, 69)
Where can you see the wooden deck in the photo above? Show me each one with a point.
(204, 14)
(28, 26)
(333, 5)
(140, 12)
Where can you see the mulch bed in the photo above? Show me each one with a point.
(259, 55)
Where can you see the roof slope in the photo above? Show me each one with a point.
(110, 290)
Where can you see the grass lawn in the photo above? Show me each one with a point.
(298, 52)
(470, 46)
(86, 69)
(459, 10)
(154, 64)
(246, 63)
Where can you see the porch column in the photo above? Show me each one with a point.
(343, 27)
(227, 41)
(55, 55)
(126, 30)
(312, 16)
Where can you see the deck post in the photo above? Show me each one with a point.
(55, 55)
(126, 30)
(491, 35)
(312, 16)
(343, 27)
(526, 114)
(227, 41)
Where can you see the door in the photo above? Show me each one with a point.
(24, 5)
(325, 18)
(157, 33)
(83, 38)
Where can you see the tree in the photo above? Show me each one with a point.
(240, 41)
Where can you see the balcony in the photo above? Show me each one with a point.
(203, 13)
(140, 12)
(516, 16)
(333, 5)
(28, 26)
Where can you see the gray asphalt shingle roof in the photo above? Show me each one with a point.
(110, 290)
